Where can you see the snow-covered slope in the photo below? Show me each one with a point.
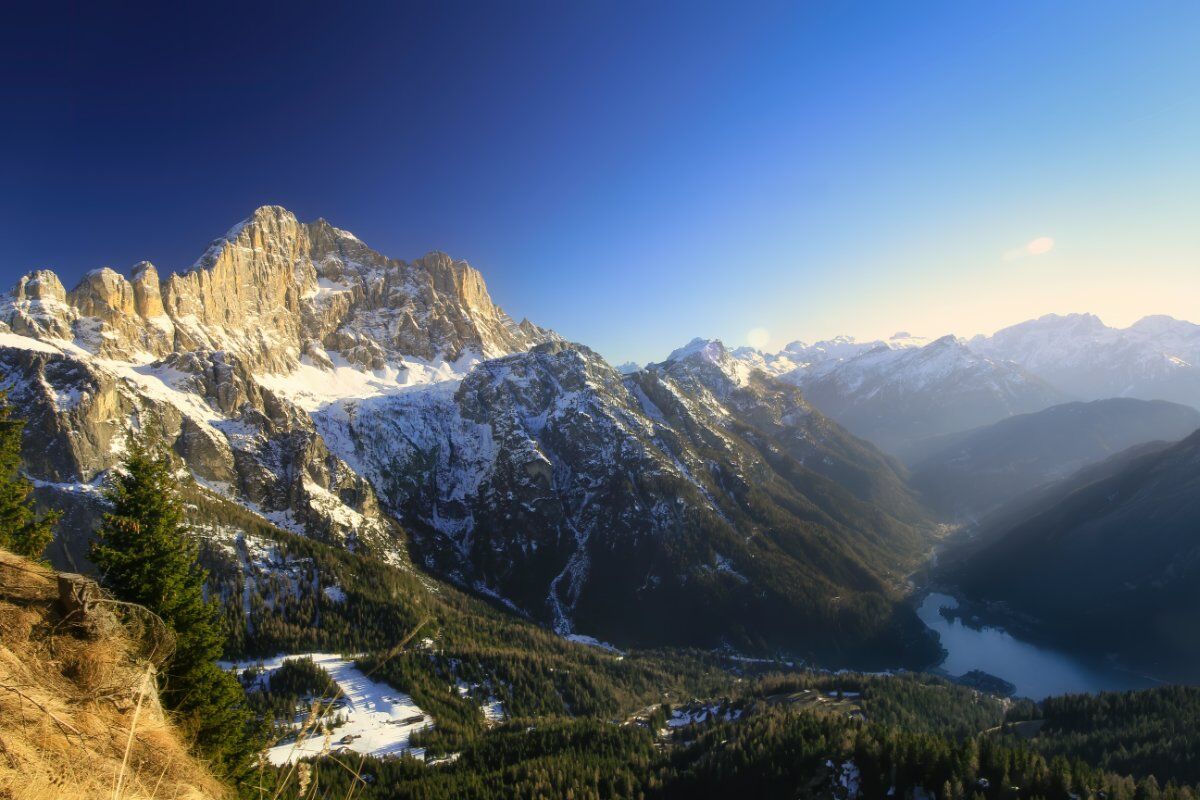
(798, 358)
(896, 396)
(233, 435)
(1156, 358)
(609, 503)
(226, 359)
(899, 391)
(372, 718)
(709, 375)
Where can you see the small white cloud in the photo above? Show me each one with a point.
(758, 338)
(1034, 247)
(1042, 244)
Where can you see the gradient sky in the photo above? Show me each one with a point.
(634, 174)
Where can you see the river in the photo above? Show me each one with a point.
(1036, 671)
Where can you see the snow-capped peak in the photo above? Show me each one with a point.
(1164, 325)
(711, 349)
(1156, 358)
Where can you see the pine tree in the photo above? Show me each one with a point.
(145, 556)
(21, 529)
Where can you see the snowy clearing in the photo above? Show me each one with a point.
(379, 719)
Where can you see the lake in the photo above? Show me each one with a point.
(1036, 671)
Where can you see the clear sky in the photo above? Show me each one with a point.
(636, 174)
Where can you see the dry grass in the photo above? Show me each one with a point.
(79, 716)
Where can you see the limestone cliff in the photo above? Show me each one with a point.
(270, 291)
(188, 355)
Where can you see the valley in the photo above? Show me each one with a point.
(710, 500)
(781, 400)
(462, 526)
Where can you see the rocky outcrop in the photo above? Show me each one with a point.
(231, 434)
(185, 354)
(117, 318)
(272, 290)
(37, 307)
(81, 707)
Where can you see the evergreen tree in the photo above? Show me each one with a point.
(145, 556)
(21, 529)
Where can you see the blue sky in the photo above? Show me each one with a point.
(637, 174)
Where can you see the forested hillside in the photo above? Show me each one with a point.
(965, 475)
(1108, 564)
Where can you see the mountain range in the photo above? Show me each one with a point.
(718, 498)
(903, 391)
(390, 407)
(1156, 358)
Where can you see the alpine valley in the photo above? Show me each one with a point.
(492, 524)
(713, 499)
(386, 406)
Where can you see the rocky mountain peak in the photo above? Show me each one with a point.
(40, 284)
(948, 342)
(1165, 325)
(39, 306)
(708, 349)
(271, 290)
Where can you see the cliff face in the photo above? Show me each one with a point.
(78, 689)
(189, 356)
(233, 435)
(271, 290)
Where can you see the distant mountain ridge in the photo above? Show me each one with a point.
(1156, 358)
(892, 393)
(898, 393)
(965, 475)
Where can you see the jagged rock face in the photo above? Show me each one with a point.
(39, 307)
(186, 355)
(720, 380)
(229, 432)
(550, 479)
(271, 290)
(129, 312)
(509, 470)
